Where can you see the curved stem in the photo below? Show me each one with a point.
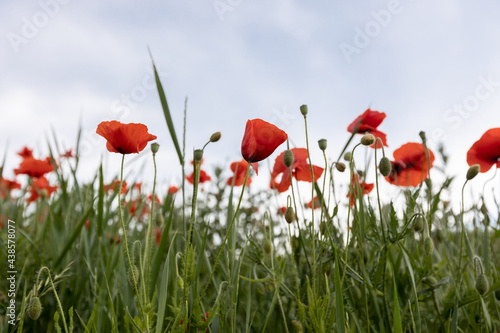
(55, 294)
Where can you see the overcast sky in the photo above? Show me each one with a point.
(431, 66)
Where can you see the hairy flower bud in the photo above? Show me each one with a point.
(288, 158)
(428, 245)
(267, 246)
(473, 171)
(289, 215)
(368, 139)
(418, 225)
(34, 309)
(482, 284)
(385, 166)
(215, 137)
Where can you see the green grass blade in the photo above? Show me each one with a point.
(397, 326)
(166, 112)
(339, 298)
(100, 203)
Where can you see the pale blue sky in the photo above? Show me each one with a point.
(431, 66)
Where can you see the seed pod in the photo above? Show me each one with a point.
(34, 309)
(180, 283)
(428, 246)
(288, 158)
(418, 225)
(482, 284)
(303, 110)
(215, 137)
(340, 166)
(348, 156)
(473, 171)
(154, 148)
(267, 246)
(198, 155)
(385, 166)
(289, 215)
(322, 144)
(133, 272)
(368, 139)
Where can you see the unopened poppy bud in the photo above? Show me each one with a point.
(298, 326)
(430, 280)
(180, 283)
(215, 137)
(303, 110)
(497, 294)
(418, 225)
(159, 219)
(133, 273)
(44, 193)
(422, 136)
(482, 284)
(267, 246)
(428, 246)
(368, 139)
(348, 156)
(385, 166)
(288, 158)
(198, 155)
(322, 144)
(340, 166)
(289, 215)
(473, 171)
(360, 173)
(34, 308)
(155, 147)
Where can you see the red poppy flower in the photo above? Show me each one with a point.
(486, 151)
(124, 138)
(87, 224)
(365, 189)
(33, 167)
(301, 170)
(135, 205)
(114, 186)
(282, 210)
(25, 152)
(173, 189)
(204, 177)
(6, 186)
(368, 123)
(260, 140)
(157, 199)
(240, 170)
(68, 154)
(138, 186)
(317, 203)
(409, 167)
(40, 186)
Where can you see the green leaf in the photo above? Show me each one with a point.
(397, 326)
(339, 298)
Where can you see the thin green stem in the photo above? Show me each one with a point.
(55, 294)
(150, 229)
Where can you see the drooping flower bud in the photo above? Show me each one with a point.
(473, 171)
(180, 283)
(368, 139)
(423, 137)
(215, 137)
(340, 166)
(348, 156)
(267, 246)
(322, 144)
(303, 110)
(154, 147)
(418, 225)
(288, 158)
(482, 284)
(289, 215)
(385, 166)
(34, 309)
(428, 245)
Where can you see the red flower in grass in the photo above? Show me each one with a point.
(33, 167)
(409, 167)
(68, 154)
(365, 189)
(240, 170)
(260, 140)
(173, 189)
(138, 207)
(204, 177)
(39, 187)
(25, 152)
(368, 123)
(317, 203)
(301, 170)
(114, 186)
(157, 199)
(282, 210)
(486, 151)
(6, 186)
(124, 138)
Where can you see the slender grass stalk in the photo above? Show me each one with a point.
(55, 294)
